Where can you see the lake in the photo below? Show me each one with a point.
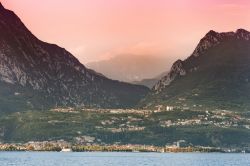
(121, 159)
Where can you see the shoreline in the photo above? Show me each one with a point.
(116, 148)
(2, 151)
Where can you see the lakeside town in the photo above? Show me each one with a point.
(132, 120)
(218, 118)
(126, 130)
(63, 146)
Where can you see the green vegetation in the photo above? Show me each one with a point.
(155, 128)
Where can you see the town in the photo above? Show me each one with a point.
(63, 146)
(219, 118)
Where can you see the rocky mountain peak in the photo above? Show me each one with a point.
(212, 38)
(242, 34)
(242, 31)
(211, 33)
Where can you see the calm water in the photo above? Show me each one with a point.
(121, 159)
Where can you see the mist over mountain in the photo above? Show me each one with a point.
(150, 82)
(38, 75)
(215, 76)
(130, 68)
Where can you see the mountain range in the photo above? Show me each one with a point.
(38, 75)
(215, 76)
(197, 101)
(131, 67)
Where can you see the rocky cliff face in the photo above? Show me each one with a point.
(176, 70)
(52, 73)
(213, 38)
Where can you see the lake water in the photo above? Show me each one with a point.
(121, 159)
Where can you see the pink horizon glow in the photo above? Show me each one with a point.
(99, 29)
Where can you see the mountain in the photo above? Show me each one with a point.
(150, 82)
(38, 75)
(130, 67)
(215, 76)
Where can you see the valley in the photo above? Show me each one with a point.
(46, 94)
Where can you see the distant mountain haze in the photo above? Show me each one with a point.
(150, 82)
(131, 67)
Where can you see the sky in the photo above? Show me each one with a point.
(95, 30)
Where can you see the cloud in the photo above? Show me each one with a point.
(138, 49)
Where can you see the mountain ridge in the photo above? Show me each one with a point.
(215, 75)
(131, 67)
(211, 39)
(52, 74)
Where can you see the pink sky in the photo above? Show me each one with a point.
(99, 29)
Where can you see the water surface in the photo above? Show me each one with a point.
(121, 159)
